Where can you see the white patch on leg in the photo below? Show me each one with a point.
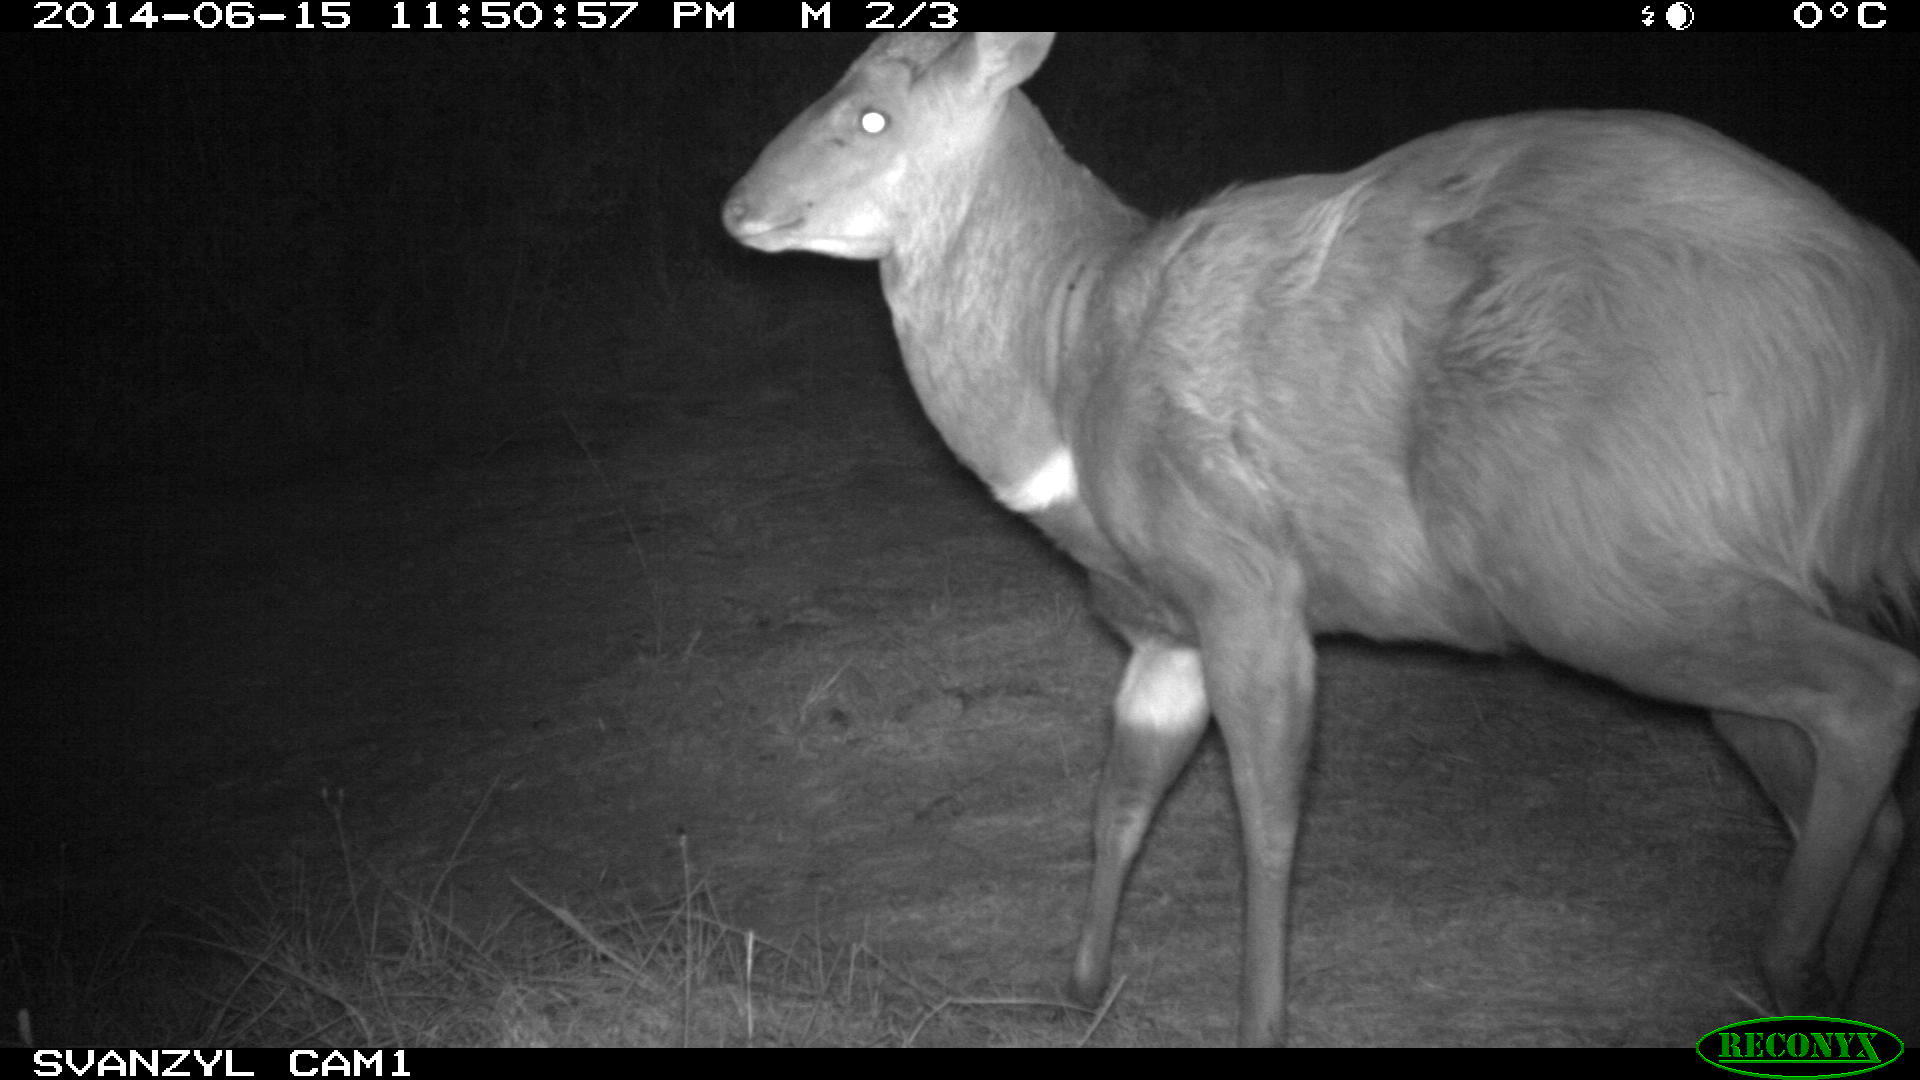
(1053, 483)
(1164, 688)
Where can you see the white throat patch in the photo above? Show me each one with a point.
(1053, 483)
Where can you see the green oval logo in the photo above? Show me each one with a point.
(1799, 1047)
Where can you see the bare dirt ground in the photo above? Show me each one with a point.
(783, 624)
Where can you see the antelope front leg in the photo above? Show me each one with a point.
(1260, 671)
(1159, 715)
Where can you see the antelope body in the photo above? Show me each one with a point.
(1607, 386)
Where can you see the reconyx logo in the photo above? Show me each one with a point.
(1799, 1047)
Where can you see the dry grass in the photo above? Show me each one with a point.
(355, 958)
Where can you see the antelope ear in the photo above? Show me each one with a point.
(1004, 61)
